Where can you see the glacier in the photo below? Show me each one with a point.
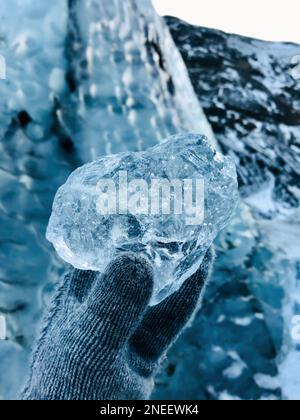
(252, 102)
(166, 204)
(59, 110)
(67, 99)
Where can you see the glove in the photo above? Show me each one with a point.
(101, 340)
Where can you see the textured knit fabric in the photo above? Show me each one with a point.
(101, 340)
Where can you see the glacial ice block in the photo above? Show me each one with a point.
(167, 204)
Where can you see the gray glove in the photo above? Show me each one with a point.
(101, 340)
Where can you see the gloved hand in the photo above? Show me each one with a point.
(101, 340)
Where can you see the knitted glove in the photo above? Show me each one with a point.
(101, 340)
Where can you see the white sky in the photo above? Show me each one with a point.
(273, 20)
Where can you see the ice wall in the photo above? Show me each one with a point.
(83, 78)
(129, 85)
(251, 98)
(33, 163)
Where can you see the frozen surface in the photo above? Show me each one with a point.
(173, 228)
(129, 86)
(237, 336)
(252, 102)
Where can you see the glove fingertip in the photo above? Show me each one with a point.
(127, 280)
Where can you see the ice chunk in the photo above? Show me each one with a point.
(167, 204)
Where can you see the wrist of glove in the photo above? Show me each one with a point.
(102, 341)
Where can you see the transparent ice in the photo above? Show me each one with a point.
(89, 240)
